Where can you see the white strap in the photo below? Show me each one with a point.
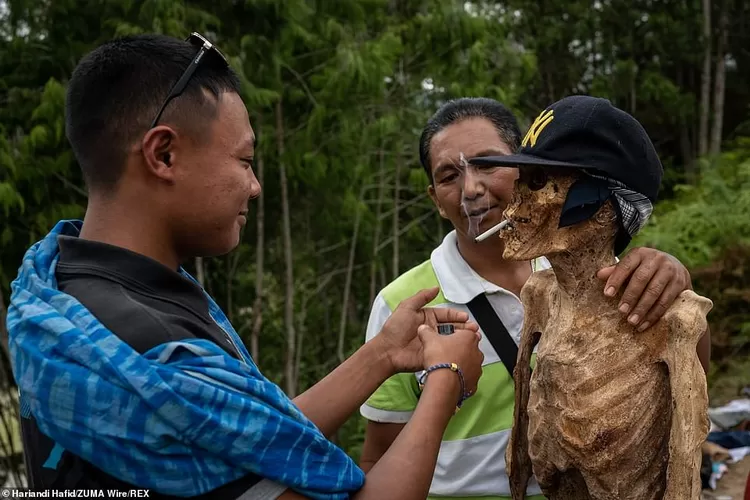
(264, 490)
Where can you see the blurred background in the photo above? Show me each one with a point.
(338, 92)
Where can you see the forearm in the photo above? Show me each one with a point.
(366, 465)
(379, 436)
(330, 402)
(405, 471)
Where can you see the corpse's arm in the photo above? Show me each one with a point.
(536, 312)
(687, 324)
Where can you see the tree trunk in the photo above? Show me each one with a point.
(200, 272)
(7, 372)
(259, 254)
(229, 282)
(286, 228)
(327, 313)
(378, 225)
(348, 280)
(300, 339)
(396, 214)
(720, 79)
(705, 81)
(686, 148)
(9, 405)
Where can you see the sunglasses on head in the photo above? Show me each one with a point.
(204, 48)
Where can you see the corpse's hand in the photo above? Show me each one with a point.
(654, 280)
(398, 338)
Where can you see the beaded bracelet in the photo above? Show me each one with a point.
(454, 368)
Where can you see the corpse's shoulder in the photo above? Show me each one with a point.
(538, 286)
(536, 296)
(687, 316)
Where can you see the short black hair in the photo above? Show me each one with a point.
(461, 109)
(116, 90)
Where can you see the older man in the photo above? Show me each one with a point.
(473, 277)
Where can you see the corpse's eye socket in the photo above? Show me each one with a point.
(535, 178)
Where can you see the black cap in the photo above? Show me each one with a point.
(589, 133)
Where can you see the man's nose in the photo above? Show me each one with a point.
(255, 187)
(473, 184)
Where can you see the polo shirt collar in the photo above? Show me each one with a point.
(458, 281)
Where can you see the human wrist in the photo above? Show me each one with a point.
(443, 367)
(445, 386)
(378, 356)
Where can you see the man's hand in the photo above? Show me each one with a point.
(655, 280)
(398, 338)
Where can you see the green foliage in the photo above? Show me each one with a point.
(10, 198)
(705, 219)
(707, 227)
(344, 88)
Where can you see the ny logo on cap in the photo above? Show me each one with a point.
(544, 119)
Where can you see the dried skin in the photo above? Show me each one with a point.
(608, 412)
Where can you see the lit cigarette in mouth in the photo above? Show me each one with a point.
(494, 229)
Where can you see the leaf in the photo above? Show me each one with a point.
(38, 137)
(10, 198)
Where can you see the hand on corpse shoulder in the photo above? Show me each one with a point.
(473, 198)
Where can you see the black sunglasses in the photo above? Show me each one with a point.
(204, 47)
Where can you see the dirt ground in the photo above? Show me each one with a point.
(732, 483)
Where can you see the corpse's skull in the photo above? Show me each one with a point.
(534, 214)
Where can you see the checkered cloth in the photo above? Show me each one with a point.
(635, 208)
(182, 419)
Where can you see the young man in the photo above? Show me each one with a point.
(129, 374)
(473, 277)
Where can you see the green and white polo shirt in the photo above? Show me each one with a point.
(471, 462)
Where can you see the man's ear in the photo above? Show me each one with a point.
(159, 152)
(433, 197)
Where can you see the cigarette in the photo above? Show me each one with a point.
(491, 231)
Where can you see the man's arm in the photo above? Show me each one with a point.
(654, 281)
(378, 439)
(704, 350)
(330, 402)
(391, 407)
(405, 471)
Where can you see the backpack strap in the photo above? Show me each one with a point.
(495, 331)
